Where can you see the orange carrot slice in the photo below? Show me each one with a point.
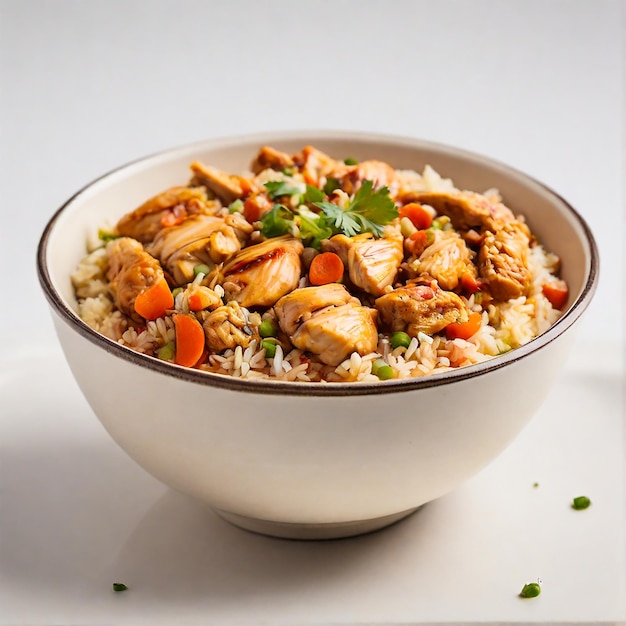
(154, 301)
(464, 330)
(189, 340)
(420, 217)
(325, 268)
(556, 292)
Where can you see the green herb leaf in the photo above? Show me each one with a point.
(312, 194)
(119, 587)
(530, 590)
(369, 211)
(580, 503)
(350, 161)
(280, 188)
(277, 221)
(313, 228)
(330, 185)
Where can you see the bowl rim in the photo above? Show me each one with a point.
(302, 388)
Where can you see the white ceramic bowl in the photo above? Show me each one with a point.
(307, 460)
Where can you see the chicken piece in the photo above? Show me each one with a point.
(446, 259)
(131, 271)
(270, 158)
(315, 164)
(372, 263)
(147, 220)
(351, 177)
(327, 321)
(227, 187)
(466, 209)
(260, 274)
(418, 307)
(297, 306)
(226, 327)
(503, 261)
(200, 239)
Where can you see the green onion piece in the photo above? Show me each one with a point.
(267, 328)
(580, 503)
(105, 236)
(236, 206)
(201, 269)
(382, 370)
(288, 171)
(400, 339)
(530, 590)
(350, 161)
(330, 185)
(119, 587)
(176, 291)
(167, 351)
(270, 348)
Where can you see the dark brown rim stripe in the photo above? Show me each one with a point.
(318, 389)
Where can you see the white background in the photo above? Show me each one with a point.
(87, 86)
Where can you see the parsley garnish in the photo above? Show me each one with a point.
(313, 227)
(280, 188)
(369, 211)
(312, 194)
(119, 587)
(330, 185)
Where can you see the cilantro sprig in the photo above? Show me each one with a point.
(369, 211)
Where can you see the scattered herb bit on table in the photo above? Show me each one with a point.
(580, 503)
(119, 587)
(530, 590)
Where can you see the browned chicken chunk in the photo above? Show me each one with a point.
(465, 209)
(372, 263)
(351, 177)
(446, 259)
(227, 187)
(147, 220)
(418, 307)
(327, 321)
(226, 327)
(270, 158)
(502, 261)
(260, 274)
(131, 271)
(200, 239)
(314, 164)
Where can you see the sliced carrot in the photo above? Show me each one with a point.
(325, 268)
(154, 301)
(464, 330)
(200, 299)
(556, 292)
(420, 217)
(189, 340)
(255, 207)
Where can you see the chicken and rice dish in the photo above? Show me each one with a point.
(309, 268)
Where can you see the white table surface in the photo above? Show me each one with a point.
(86, 86)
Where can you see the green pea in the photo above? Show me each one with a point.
(270, 348)
(267, 328)
(400, 339)
(176, 292)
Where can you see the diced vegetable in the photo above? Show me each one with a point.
(419, 216)
(173, 216)
(166, 352)
(270, 348)
(326, 268)
(400, 339)
(464, 330)
(470, 284)
(201, 269)
(200, 299)
(350, 161)
(416, 242)
(556, 292)
(236, 206)
(189, 340)
(119, 587)
(382, 369)
(331, 185)
(278, 221)
(154, 301)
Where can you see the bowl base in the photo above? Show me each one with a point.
(332, 530)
